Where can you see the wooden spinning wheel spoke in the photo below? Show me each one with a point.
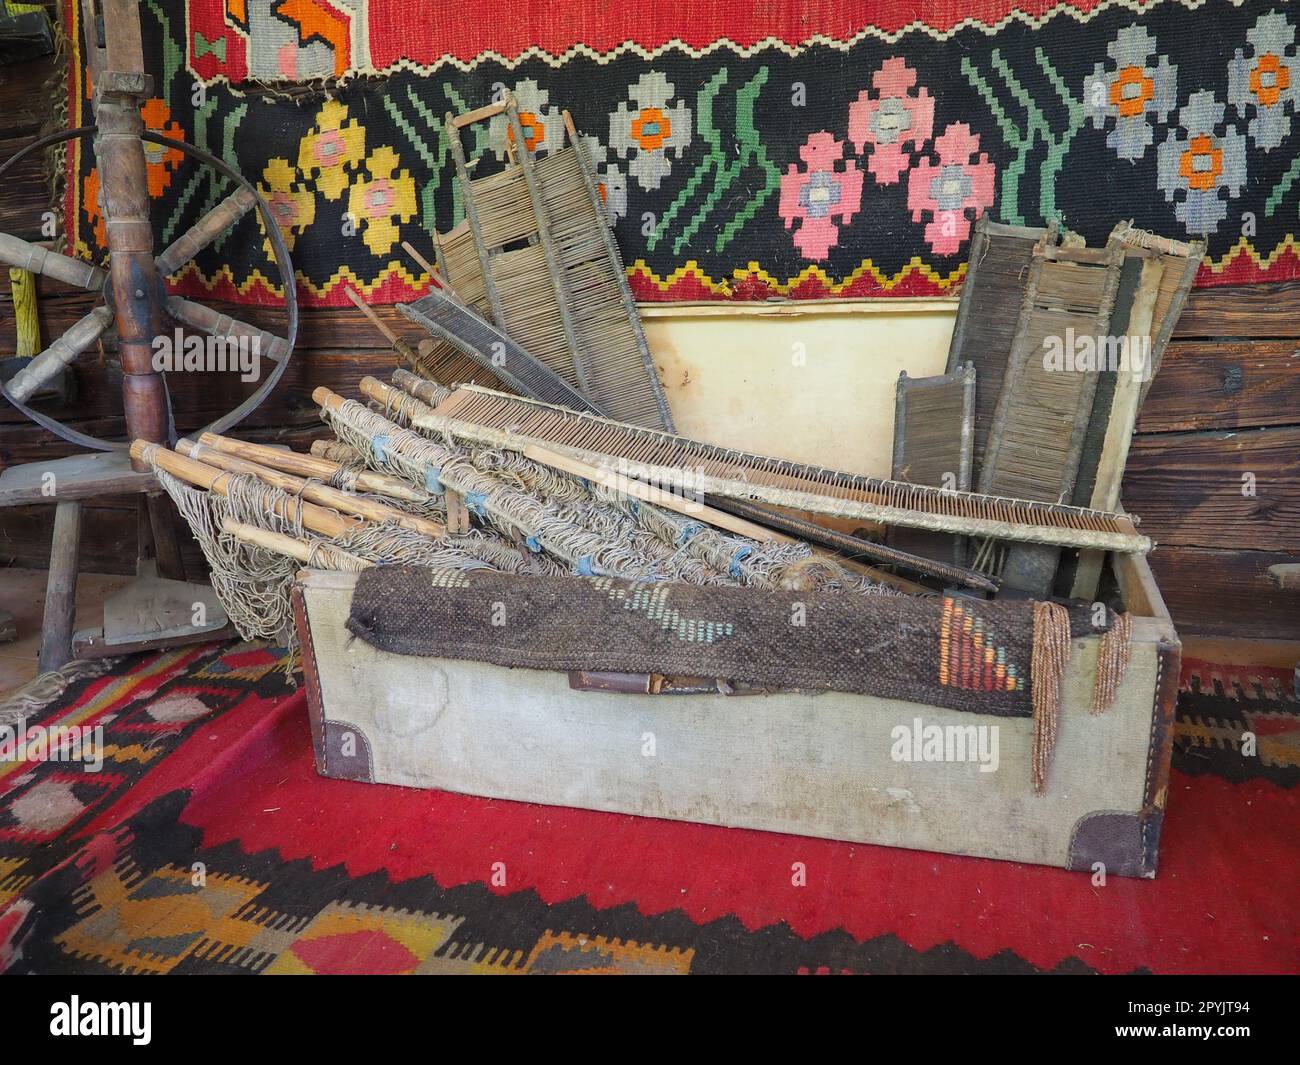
(25, 255)
(224, 215)
(48, 363)
(216, 324)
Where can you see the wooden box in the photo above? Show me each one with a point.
(812, 763)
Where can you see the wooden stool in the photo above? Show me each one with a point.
(149, 613)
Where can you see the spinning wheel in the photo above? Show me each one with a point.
(137, 306)
(144, 390)
(134, 299)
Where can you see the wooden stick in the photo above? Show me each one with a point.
(421, 260)
(312, 465)
(457, 512)
(468, 118)
(334, 451)
(346, 502)
(404, 350)
(321, 520)
(647, 493)
(292, 547)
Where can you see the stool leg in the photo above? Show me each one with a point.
(61, 587)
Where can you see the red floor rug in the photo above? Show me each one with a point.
(207, 843)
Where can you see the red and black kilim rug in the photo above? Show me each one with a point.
(207, 843)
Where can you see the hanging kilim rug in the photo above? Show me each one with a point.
(744, 149)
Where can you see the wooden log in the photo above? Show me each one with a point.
(61, 587)
(312, 465)
(344, 502)
(318, 519)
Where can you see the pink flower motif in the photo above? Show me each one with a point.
(952, 187)
(890, 120)
(819, 194)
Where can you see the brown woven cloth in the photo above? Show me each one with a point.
(965, 654)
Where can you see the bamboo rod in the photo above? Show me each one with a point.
(318, 519)
(345, 502)
(313, 465)
(292, 547)
(422, 262)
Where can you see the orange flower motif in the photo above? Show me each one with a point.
(542, 124)
(1269, 80)
(1264, 80)
(1201, 163)
(162, 161)
(1130, 92)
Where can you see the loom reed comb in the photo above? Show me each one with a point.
(1036, 439)
(549, 271)
(991, 298)
(488, 418)
(934, 428)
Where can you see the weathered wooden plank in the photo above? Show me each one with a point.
(320, 328)
(26, 192)
(74, 477)
(1226, 593)
(1242, 311)
(198, 398)
(24, 105)
(1217, 489)
(108, 547)
(1224, 385)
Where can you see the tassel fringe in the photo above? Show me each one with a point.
(1051, 656)
(1112, 662)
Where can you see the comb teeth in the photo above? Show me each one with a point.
(479, 413)
(621, 376)
(537, 258)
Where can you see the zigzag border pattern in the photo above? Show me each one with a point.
(1242, 264)
(844, 44)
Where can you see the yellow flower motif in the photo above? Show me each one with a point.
(382, 200)
(335, 145)
(292, 203)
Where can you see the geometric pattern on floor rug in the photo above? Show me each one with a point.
(181, 863)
